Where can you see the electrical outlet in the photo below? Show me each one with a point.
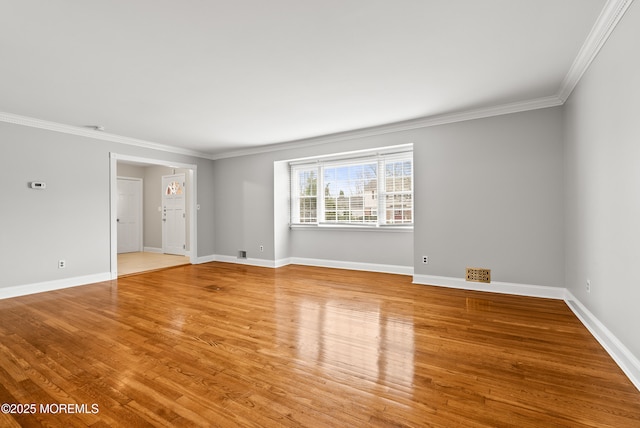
(261, 248)
(588, 286)
(62, 264)
(425, 260)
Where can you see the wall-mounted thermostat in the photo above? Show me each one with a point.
(38, 185)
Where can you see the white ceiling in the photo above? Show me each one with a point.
(225, 75)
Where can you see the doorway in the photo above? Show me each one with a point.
(174, 217)
(129, 215)
(189, 172)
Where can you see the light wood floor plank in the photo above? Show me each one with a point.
(238, 346)
(134, 263)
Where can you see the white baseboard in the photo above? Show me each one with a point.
(152, 250)
(40, 287)
(339, 264)
(629, 364)
(282, 262)
(204, 259)
(232, 259)
(493, 287)
(335, 264)
(248, 261)
(160, 251)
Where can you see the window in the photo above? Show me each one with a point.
(174, 188)
(398, 183)
(306, 195)
(375, 189)
(347, 193)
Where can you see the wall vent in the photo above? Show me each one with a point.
(478, 275)
(242, 254)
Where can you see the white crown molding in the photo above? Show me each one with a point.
(94, 134)
(600, 32)
(407, 125)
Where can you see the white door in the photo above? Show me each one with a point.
(129, 217)
(174, 221)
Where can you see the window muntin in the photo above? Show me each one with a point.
(373, 191)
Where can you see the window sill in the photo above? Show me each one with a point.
(351, 227)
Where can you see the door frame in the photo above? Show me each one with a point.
(139, 202)
(113, 191)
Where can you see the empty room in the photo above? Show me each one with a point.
(320, 214)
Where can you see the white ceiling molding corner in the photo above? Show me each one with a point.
(600, 32)
(94, 134)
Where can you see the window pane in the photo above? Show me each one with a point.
(350, 192)
(308, 183)
(304, 199)
(399, 192)
(308, 210)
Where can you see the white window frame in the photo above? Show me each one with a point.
(320, 164)
(295, 196)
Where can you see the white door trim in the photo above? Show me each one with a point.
(113, 191)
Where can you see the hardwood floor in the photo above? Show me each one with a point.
(232, 345)
(134, 263)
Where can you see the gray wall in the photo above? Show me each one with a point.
(488, 193)
(384, 248)
(70, 219)
(602, 175)
(244, 206)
